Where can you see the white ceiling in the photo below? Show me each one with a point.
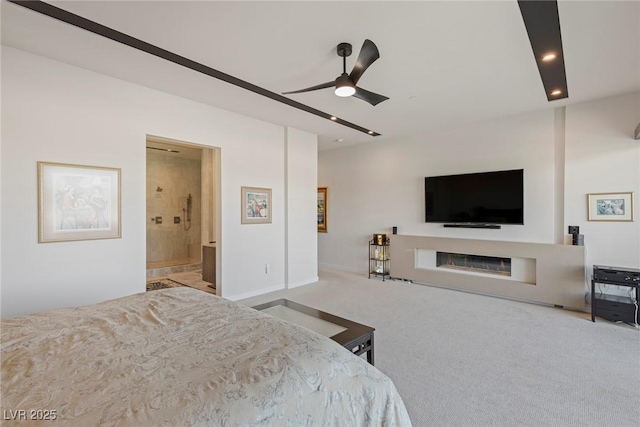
(441, 64)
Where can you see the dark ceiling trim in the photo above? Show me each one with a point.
(110, 33)
(543, 27)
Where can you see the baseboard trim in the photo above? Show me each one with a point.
(325, 266)
(254, 293)
(303, 282)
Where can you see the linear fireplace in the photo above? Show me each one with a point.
(477, 263)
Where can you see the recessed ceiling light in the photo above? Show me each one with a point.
(556, 92)
(549, 57)
(339, 140)
(334, 118)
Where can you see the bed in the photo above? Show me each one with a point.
(184, 357)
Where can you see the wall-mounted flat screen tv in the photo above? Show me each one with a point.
(476, 198)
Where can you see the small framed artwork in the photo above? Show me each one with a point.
(323, 196)
(256, 205)
(77, 202)
(610, 206)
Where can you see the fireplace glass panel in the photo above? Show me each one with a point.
(477, 263)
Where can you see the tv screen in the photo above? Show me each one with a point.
(482, 198)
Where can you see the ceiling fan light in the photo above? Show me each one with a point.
(344, 86)
(345, 91)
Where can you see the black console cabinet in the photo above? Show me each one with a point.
(615, 307)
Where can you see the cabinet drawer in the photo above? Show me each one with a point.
(615, 306)
(616, 315)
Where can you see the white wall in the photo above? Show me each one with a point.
(377, 185)
(302, 187)
(59, 113)
(603, 157)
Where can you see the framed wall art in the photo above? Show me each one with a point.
(323, 193)
(256, 205)
(77, 202)
(610, 206)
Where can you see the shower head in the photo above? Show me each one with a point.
(169, 150)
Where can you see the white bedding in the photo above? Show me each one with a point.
(184, 357)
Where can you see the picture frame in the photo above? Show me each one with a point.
(610, 206)
(256, 205)
(322, 216)
(78, 202)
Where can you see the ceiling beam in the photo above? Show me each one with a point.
(542, 22)
(104, 31)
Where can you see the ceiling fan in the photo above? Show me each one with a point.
(345, 84)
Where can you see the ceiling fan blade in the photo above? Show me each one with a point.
(372, 98)
(309, 89)
(368, 55)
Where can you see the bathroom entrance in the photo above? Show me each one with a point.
(180, 222)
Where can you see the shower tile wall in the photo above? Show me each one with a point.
(177, 177)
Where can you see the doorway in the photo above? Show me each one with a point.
(181, 182)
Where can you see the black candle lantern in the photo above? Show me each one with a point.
(380, 239)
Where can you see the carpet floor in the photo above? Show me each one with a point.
(463, 359)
